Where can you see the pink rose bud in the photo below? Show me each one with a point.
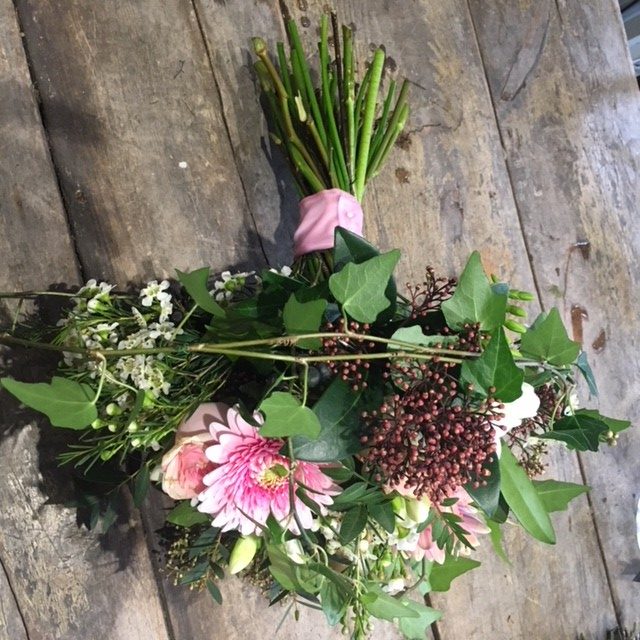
(185, 465)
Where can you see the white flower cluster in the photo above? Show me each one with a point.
(363, 547)
(93, 297)
(143, 371)
(157, 292)
(229, 284)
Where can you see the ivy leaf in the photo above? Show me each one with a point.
(360, 288)
(353, 523)
(195, 283)
(416, 628)
(184, 515)
(381, 605)
(66, 403)
(474, 300)
(612, 424)
(579, 431)
(286, 417)
(495, 368)
(488, 497)
(556, 495)
(442, 575)
(523, 499)
(585, 369)
(547, 340)
(304, 317)
(350, 247)
(339, 436)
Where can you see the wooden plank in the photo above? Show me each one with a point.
(445, 192)
(136, 132)
(569, 114)
(56, 582)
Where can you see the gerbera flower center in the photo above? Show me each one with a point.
(273, 476)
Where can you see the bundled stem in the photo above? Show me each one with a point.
(338, 132)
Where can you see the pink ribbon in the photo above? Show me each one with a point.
(320, 214)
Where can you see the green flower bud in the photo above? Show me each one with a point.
(417, 510)
(399, 507)
(97, 424)
(133, 427)
(113, 409)
(516, 311)
(112, 427)
(243, 553)
(515, 326)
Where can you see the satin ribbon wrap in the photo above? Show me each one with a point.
(320, 214)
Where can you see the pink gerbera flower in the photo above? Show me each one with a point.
(251, 479)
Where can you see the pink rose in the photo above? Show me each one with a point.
(185, 464)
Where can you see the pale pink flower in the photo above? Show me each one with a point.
(470, 522)
(185, 464)
(250, 479)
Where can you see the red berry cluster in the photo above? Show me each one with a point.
(428, 437)
(355, 370)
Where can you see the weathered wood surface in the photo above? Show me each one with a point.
(569, 117)
(131, 90)
(57, 581)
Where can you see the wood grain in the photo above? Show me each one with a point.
(56, 581)
(443, 194)
(568, 109)
(136, 133)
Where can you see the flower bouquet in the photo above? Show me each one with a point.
(343, 443)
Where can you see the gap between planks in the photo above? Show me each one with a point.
(47, 140)
(227, 131)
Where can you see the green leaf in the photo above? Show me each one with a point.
(414, 335)
(350, 247)
(304, 317)
(286, 417)
(585, 369)
(495, 368)
(353, 523)
(579, 431)
(333, 602)
(184, 515)
(339, 436)
(442, 575)
(523, 499)
(384, 515)
(214, 591)
(495, 535)
(547, 341)
(488, 497)
(195, 283)
(344, 585)
(612, 424)
(381, 605)
(66, 403)
(141, 486)
(416, 628)
(359, 288)
(556, 495)
(474, 300)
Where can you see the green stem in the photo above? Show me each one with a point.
(367, 124)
